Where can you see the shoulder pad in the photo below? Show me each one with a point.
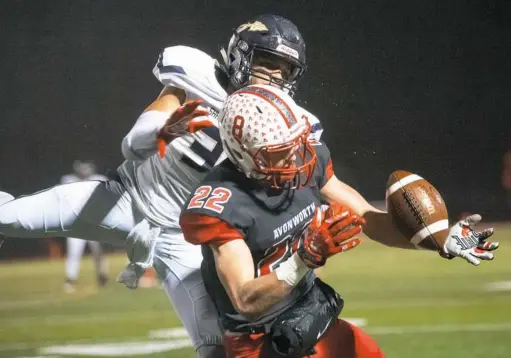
(316, 127)
(191, 70)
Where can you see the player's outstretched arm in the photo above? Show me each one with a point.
(462, 241)
(141, 142)
(378, 227)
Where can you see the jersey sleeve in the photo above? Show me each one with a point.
(201, 229)
(191, 70)
(324, 167)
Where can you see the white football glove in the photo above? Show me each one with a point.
(466, 243)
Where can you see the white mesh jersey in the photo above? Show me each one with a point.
(160, 186)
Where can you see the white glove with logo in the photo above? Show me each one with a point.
(466, 243)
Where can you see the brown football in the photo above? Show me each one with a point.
(417, 209)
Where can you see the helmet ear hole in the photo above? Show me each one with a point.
(238, 68)
(238, 155)
(234, 153)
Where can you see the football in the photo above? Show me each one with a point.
(417, 209)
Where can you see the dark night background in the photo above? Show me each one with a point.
(417, 85)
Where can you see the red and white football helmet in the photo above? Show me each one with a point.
(264, 138)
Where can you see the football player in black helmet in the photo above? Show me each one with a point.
(267, 49)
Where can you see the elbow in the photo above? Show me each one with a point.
(248, 312)
(247, 308)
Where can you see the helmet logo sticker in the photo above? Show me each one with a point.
(256, 26)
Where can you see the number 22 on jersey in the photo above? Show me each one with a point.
(211, 199)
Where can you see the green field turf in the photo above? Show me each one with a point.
(415, 304)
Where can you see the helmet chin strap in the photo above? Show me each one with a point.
(223, 53)
(282, 84)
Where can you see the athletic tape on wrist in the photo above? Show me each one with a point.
(292, 270)
(155, 119)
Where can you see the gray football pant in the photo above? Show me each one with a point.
(104, 211)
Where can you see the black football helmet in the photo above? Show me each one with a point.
(272, 35)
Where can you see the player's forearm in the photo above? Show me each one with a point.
(256, 296)
(253, 297)
(140, 143)
(379, 225)
(380, 228)
(250, 296)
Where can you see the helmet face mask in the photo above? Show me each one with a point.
(277, 164)
(264, 139)
(268, 36)
(273, 70)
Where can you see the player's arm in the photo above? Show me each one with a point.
(462, 241)
(379, 226)
(141, 142)
(235, 268)
(250, 296)
(326, 236)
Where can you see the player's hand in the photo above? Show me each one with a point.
(330, 233)
(185, 119)
(468, 244)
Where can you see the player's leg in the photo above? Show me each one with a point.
(75, 249)
(90, 210)
(178, 266)
(99, 261)
(344, 340)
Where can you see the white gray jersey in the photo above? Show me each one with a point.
(160, 186)
(73, 178)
